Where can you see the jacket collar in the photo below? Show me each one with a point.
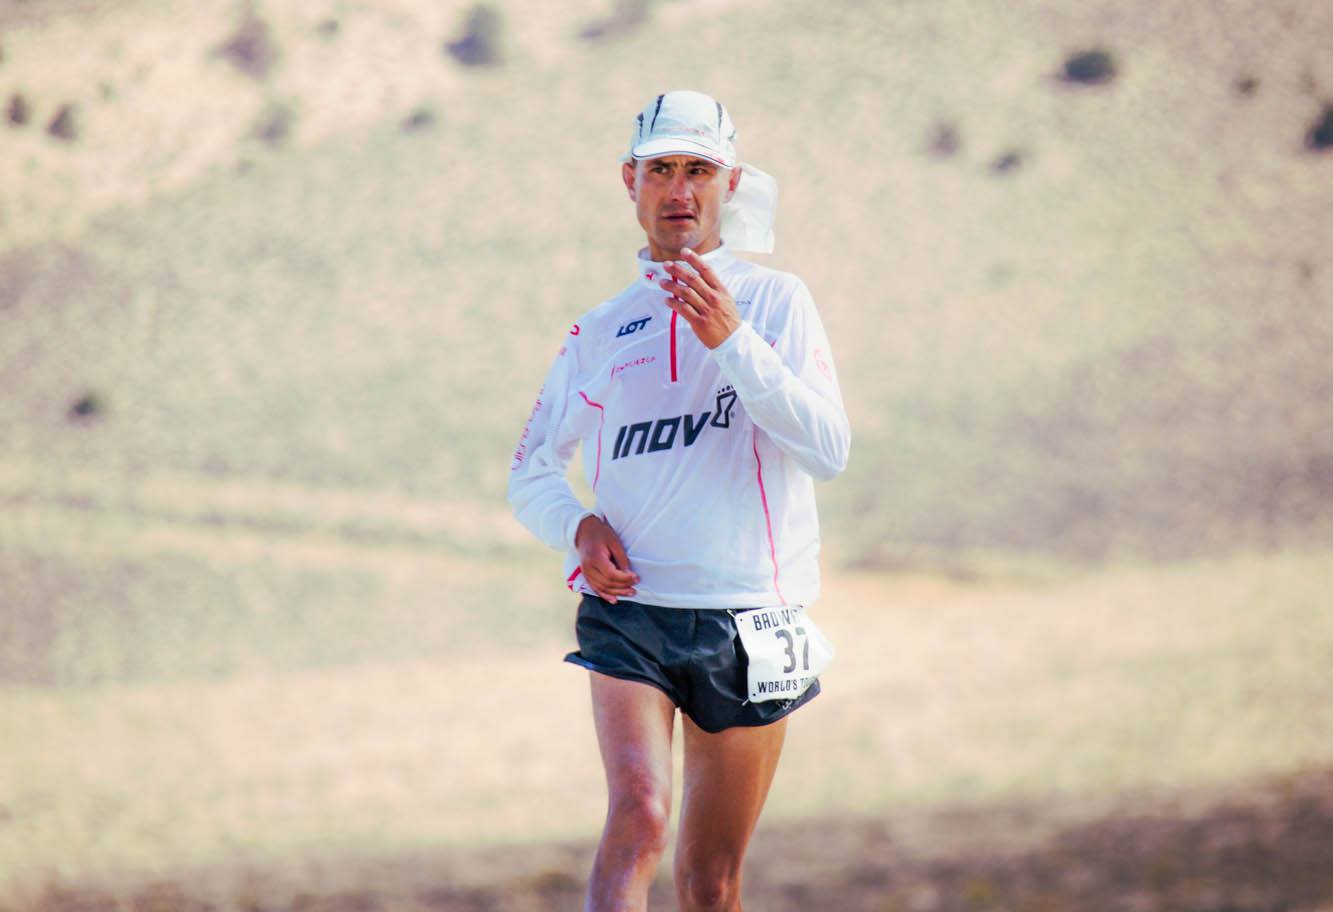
(651, 271)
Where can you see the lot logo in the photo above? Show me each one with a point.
(633, 326)
(659, 435)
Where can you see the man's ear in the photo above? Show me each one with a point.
(733, 182)
(627, 175)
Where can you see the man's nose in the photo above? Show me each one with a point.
(679, 188)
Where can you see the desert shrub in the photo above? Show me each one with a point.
(251, 48)
(86, 407)
(625, 17)
(1092, 67)
(944, 140)
(18, 112)
(64, 126)
(275, 125)
(1007, 162)
(482, 32)
(1320, 135)
(422, 118)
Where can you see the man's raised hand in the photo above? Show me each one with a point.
(698, 295)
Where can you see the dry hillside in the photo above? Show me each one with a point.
(279, 279)
(305, 242)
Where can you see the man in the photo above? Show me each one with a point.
(705, 400)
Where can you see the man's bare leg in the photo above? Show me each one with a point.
(727, 776)
(634, 723)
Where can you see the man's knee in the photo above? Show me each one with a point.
(707, 887)
(641, 814)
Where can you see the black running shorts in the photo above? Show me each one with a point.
(693, 655)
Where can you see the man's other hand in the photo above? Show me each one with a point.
(603, 560)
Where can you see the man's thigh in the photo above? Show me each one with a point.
(727, 777)
(634, 723)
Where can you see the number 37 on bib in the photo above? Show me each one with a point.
(786, 651)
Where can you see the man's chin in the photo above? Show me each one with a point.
(675, 240)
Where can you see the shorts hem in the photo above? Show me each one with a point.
(575, 659)
(783, 713)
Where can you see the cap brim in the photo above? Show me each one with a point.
(673, 145)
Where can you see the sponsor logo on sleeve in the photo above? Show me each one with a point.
(521, 452)
(822, 363)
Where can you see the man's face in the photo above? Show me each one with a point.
(678, 199)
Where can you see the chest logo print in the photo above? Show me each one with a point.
(659, 435)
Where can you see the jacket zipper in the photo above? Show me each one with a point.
(674, 317)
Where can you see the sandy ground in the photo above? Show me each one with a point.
(1084, 698)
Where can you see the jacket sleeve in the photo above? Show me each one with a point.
(790, 388)
(538, 492)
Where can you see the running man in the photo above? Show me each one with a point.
(706, 402)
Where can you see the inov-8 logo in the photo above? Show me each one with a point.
(633, 326)
(655, 436)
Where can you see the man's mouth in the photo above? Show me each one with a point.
(679, 217)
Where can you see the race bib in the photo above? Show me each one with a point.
(786, 651)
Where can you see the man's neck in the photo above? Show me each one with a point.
(662, 254)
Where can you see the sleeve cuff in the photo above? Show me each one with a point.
(749, 363)
(572, 529)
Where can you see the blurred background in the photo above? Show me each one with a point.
(279, 280)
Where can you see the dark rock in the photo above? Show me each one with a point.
(944, 142)
(64, 125)
(86, 408)
(251, 48)
(420, 119)
(19, 113)
(480, 44)
(1094, 67)
(1319, 138)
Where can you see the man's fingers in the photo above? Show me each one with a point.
(686, 295)
(610, 575)
(689, 278)
(622, 560)
(605, 564)
(611, 568)
(705, 271)
(684, 308)
(609, 590)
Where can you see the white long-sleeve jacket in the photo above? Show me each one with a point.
(701, 461)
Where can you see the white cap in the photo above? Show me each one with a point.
(685, 123)
(692, 123)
